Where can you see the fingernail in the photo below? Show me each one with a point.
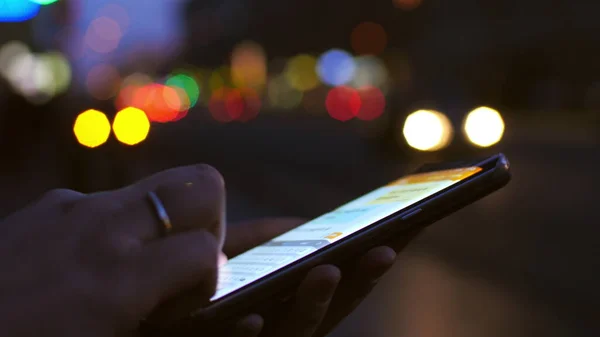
(222, 259)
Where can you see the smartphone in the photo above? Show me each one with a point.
(269, 273)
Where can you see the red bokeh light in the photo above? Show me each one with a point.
(218, 106)
(372, 103)
(343, 103)
(252, 104)
(227, 105)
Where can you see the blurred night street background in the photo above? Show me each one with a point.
(304, 105)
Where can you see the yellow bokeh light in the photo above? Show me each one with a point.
(249, 66)
(427, 130)
(301, 73)
(484, 127)
(91, 128)
(282, 95)
(131, 126)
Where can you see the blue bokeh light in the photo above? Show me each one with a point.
(18, 10)
(336, 67)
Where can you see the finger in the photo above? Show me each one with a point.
(371, 267)
(311, 302)
(52, 203)
(192, 196)
(356, 285)
(243, 236)
(65, 198)
(250, 326)
(182, 262)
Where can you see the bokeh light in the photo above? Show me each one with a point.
(407, 5)
(31, 78)
(103, 35)
(427, 130)
(9, 52)
(484, 126)
(43, 2)
(161, 103)
(60, 68)
(177, 99)
(282, 95)
(368, 38)
(252, 104)
(336, 67)
(37, 77)
(343, 103)
(103, 81)
(19, 70)
(234, 104)
(39, 85)
(370, 71)
(372, 103)
(249, 66)
(91, 128)
(225, 105)
(131, 126)
(18, 11)
(189, 86)
(128, 88)
(301, 72)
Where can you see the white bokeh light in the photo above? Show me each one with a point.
(484, 127)
(427, 130)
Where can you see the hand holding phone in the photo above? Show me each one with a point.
(319, 303)
(264, 277)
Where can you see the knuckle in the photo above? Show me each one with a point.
(63, 197)
(210, 175)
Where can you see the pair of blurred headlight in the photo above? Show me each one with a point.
(429, 130)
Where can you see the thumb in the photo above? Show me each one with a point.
(185, 262)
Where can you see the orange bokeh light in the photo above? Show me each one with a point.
(369, 38)
(161, 103)
(343, 103)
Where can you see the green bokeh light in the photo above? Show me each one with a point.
(44, 2)
(188, 84)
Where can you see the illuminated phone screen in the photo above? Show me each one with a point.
(323, 231)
